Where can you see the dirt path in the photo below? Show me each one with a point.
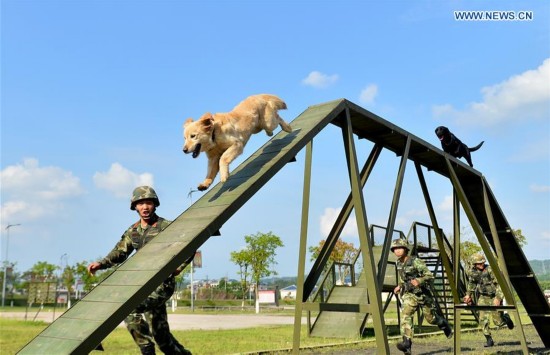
(187, 321)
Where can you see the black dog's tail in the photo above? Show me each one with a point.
(473, 149)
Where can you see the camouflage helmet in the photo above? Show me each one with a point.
(478, 258)
(399, 243)
(143, 193)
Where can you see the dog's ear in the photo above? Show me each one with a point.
(206, 116)
(207, 121)
(187, 122)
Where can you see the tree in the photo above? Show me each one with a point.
(467, 249)
(520, 238)
(243, 259)
(343, 253)
(262, 247)
(68, 277)
(81, 272)
(12, 277)
(43, 271)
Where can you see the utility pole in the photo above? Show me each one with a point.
(6, 261)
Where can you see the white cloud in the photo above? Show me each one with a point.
(539, 188)
(521, 97)
(446, 204)
(368, 94)
(46, 182)
(31, 191)
(329, 217)
(319, 80)
(121, 181)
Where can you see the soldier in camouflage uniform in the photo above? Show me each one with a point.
(149, 320)
(414, 286)
(483, 284)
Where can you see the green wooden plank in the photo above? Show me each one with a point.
(154, 256)
(129, 278)
(71, 329)
(118, 293)
(45, 345)
(93, 311)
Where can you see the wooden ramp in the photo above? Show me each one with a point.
(342, 324)
(81, 328)
(350, 324)
(85, 325)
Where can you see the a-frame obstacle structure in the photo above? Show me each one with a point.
(85, 325)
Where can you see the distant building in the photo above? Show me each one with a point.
(289, 292)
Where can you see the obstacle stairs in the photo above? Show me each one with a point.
(81, 328)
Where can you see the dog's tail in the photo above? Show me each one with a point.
(473, 149)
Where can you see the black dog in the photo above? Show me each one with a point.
(454, 146)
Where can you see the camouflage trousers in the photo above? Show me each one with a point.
(149, 321)
(484, 315)
(410, 303)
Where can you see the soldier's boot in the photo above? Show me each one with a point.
(490, 341)
(405, 345)
(506, 318)
(148, 349)
(446, 328)
(174, 348)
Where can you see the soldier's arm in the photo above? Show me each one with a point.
(425, 275)
(120, 252)
(498, 290)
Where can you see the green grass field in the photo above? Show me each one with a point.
(14, 334)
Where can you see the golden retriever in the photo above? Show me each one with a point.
(222, 136)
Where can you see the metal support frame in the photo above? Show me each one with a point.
(456, 256)
(303, 247)
(374, 289)
(505, 286)
(338, 226)
(439, 238)
(500, 274)
(393, 213)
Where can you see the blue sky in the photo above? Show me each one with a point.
(94, 95)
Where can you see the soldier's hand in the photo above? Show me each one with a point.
(496, 302)
(415, 282)
(397, 289)
(93, 267)
(467, 299)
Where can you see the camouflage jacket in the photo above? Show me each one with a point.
(413, 268)
(484, 282)
(133, 238)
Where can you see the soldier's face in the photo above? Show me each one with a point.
(145, 208)
(480, 266)
(399, 252)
